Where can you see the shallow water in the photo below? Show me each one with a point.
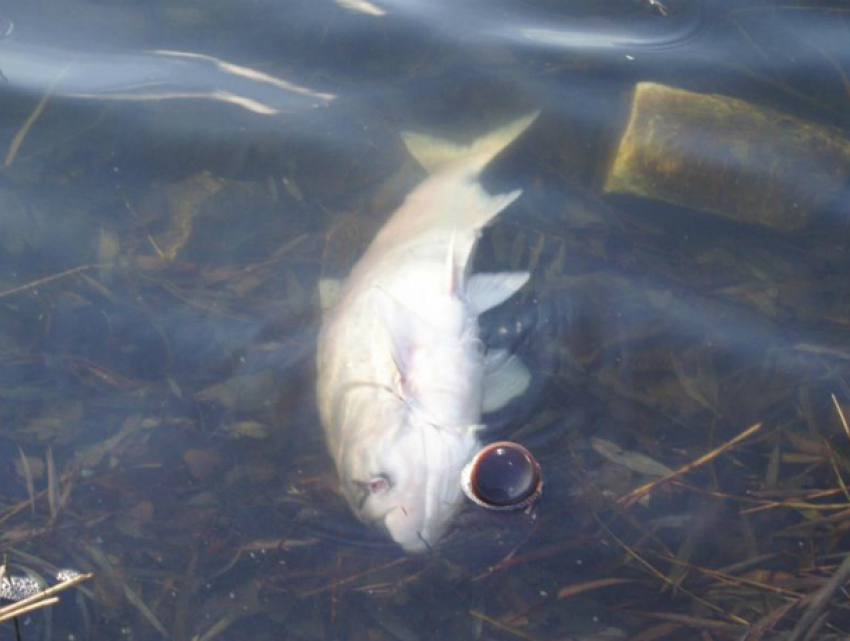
(177, 178)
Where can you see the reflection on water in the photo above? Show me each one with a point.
(153, 76)
(177, 178)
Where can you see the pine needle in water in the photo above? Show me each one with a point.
(52, 486)
(25, 465)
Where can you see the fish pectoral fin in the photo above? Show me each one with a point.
(484, 210)
(485, 291)
(329, 290)
(505, 378)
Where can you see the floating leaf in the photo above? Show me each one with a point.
(632, 460)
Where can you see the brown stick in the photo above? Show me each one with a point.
(41, 599)
(38, 605)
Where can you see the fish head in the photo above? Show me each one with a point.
(402, 473)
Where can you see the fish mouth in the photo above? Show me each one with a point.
(380, 519)
(413, 537)
(415, 542)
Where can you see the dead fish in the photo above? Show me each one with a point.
(403, 377)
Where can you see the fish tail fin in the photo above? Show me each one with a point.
(459, 204)
(433, 153)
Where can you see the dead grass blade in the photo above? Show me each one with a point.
(501, 626)
(25, 465)
(52, 486)
(101, 561)
(658, 574)
(18, 611)
(217, 628)
(635, 495)
(136, 600)
(694, 621)
(18, 140)
(49, 279)
(354, 577)
(42, 599)
(578, 588)
(726, 578)
(841, 415)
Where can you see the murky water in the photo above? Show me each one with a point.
(179, 176)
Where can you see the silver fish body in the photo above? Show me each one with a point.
(403, 377)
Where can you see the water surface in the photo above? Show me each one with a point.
(179, 176)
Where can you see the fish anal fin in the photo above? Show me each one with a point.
(505, 378)
(485, 291)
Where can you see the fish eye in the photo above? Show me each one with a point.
(503, 476)
(379, 484)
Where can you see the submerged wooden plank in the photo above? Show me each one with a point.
(728, 157)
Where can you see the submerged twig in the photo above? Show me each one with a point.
(41, 599)
(18, 140)
(841, 415)
(18, 611)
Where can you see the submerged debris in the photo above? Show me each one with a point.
(727, 156)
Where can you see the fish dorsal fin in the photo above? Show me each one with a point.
(485, 291)
(462, 245)
(491, 206)
(433, 153)
(505, 378)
